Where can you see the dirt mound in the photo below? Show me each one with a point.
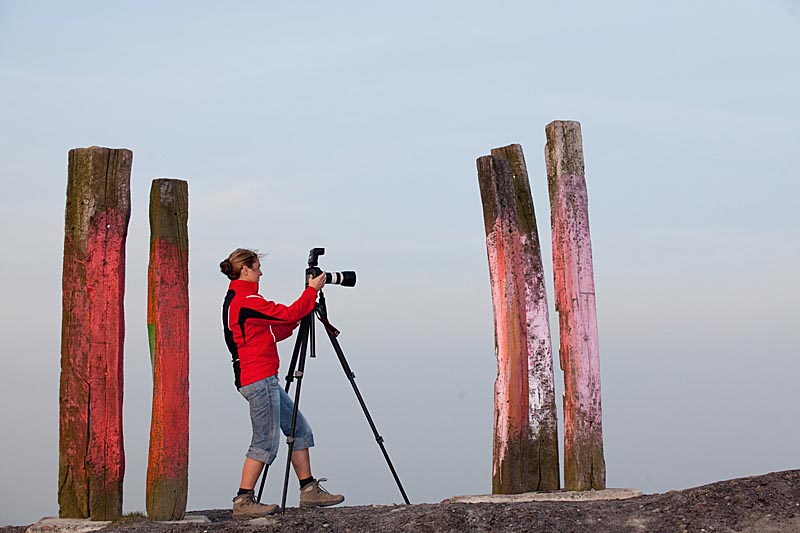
(759, 504)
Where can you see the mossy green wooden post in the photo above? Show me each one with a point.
(168, 331)
(524, 458)
(584, 464)
(91, 454)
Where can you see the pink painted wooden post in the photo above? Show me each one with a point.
(584, 464)
(542, 415)
(91, 455)
(168, 331)
(523, 458)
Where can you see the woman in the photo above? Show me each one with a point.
(252, 326)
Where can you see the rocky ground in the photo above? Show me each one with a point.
(760, 504)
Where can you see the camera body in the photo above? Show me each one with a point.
(346, 278)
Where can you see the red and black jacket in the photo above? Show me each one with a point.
(253, 325)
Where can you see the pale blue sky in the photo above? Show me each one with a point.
(355, 126)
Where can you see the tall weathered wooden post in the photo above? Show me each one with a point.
(168, 332)
(91, 454)
(542, 412)
(584, 464)
(525, 456)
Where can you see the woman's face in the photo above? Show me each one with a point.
(251, 274)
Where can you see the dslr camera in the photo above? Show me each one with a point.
(346, 278)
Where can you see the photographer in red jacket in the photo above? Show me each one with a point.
(252, 327)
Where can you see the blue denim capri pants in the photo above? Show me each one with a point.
(271, 408)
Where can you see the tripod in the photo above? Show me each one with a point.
(306, 337)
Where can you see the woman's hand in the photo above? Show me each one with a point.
(317, 282)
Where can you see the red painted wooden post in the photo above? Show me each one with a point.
(542, 468)
(520, 463)
(91, 454)
(584, 464)
(168, 331)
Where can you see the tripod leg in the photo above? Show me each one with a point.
(352, 377)
(304, 324)
(307, 335)
(263, 480)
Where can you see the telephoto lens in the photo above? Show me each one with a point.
(346, 278)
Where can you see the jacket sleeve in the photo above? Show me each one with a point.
(257, 307)
(283, 331)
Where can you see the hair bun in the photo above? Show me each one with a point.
(225, 267)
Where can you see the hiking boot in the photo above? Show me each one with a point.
(313, 495)
(246, 506)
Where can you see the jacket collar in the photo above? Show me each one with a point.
(244, 287)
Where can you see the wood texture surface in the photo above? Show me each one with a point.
(579, 353)
(168, 332)
(541, 469)
(91, 452)
(525, 450)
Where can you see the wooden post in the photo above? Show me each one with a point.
(91, 455)
(517, 465)
(542, 468)
(584, 464)
(168, 332)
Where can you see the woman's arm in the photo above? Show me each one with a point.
(283, 331)
(257, 307)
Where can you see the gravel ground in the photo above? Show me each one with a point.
(759, 504)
